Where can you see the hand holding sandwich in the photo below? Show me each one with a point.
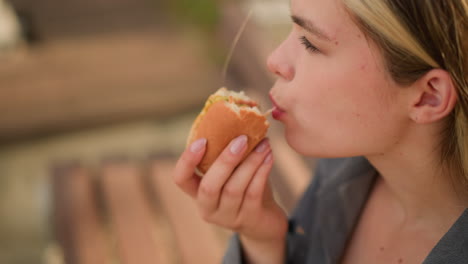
(234, 191)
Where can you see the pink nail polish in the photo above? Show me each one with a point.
(268, 158)
(262, 146)
(238, 144)
(198, 145)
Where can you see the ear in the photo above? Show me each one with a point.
(434, 97)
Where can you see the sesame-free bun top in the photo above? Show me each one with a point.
(227, 115)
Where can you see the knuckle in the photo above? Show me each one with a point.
(253, 195)
(208, 190)
(254, 159)
(258, 157)
(209, 218)
(232, 191)
(205, 216)
(178, 180)
(228, 158)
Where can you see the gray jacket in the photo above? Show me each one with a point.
(327, 213)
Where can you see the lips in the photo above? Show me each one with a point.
(278, 112)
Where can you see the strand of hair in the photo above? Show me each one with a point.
(234, 44)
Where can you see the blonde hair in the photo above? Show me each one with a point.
(416, 36)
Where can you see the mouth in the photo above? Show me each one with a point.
(277, 112)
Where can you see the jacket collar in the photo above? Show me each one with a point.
(453, 246)
(342, 196)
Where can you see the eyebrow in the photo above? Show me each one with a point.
(310, 27)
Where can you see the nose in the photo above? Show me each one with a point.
(279, 64)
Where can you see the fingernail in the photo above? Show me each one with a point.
(262, 146)
(198, 145)
(268, 158)
(238, 144)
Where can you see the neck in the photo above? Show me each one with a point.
(421, 188)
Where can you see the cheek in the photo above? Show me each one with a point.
(349, 86)
(340, 115)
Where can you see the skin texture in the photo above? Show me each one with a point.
(340, 101)
(324, 93)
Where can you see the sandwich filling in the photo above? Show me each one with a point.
(235, 100)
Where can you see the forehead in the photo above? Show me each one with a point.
(329, 15)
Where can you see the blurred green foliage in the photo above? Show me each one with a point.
(204, 16)
(201, 13)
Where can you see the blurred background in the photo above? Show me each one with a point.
(96, 101)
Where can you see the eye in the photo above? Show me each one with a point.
(308, 45)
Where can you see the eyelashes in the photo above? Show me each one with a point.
(308, 45)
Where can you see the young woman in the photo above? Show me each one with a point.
(384, 83)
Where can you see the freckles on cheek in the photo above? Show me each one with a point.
(364, 64)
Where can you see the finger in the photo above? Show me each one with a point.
(253, 197)
(215, 178)
(184, 175)
(233, 191)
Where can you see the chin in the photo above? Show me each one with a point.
(300, 145)
(305, 146)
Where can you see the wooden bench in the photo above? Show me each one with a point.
(131, 211)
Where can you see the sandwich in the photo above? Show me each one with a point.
(225, 116)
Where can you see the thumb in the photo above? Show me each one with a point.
(184, 175)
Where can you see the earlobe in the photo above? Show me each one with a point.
(435, 97)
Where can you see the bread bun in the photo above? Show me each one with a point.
(227, 115)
